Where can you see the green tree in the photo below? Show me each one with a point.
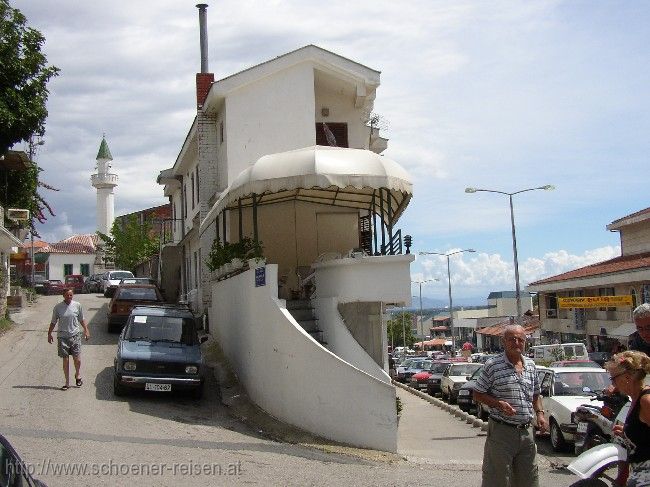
(131, 244)
(396, 331)
(24, 75)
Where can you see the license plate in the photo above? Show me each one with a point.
(582, 427)
(148, 386)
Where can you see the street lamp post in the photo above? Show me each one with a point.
(421, 322)
(547, 187)
(451, 314)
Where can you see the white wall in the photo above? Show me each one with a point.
(292, 377)
(384, 278)
(273, 114)
(341, 342)
(55, 264)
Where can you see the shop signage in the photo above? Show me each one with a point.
(595, 301)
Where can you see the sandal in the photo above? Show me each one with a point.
(65, 388)
(79, 382)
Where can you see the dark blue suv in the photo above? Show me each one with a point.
(159, 350)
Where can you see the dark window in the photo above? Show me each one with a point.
(162, 328)
(606, 291)
(198, 191)
(192, 178)
(138, 294)
(67, 269)
(338, 130)
(85, 270)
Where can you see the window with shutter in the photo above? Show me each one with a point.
(339, 131)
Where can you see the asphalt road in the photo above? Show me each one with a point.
(86, 436)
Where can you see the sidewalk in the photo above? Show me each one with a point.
(428, 434)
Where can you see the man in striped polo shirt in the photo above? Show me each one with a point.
(508, 385)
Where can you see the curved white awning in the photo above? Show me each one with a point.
(320, 174)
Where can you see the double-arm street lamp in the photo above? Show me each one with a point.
(514, 236)
(451, 314)
(421, 322)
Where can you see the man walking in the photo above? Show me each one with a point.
(69, 315)
(508, 385)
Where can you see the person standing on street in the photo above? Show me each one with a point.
(69, 317)
(640, 339)
(508, 385)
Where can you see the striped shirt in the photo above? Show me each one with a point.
(499, 378)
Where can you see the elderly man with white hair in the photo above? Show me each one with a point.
(640, 339)
(508, 385)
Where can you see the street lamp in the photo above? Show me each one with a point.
(547, 187)
(451, 313)
(421, 324)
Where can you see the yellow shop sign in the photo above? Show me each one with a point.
(595, 301)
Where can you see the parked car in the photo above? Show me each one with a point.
(93, 284)
(75, 282)
(600, 357)
(125, 298)
(37, 285)
(159, 350)
(13, 470)
(436, 370)
(111, 279)
(564, 389)
(454, 377)
(401, 368)
(138, 280)
(574, 363)
(53, 286)
(465, 397)
(415, 367)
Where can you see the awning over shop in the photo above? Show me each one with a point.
(436, 342)
(352, 178)
(623, 331)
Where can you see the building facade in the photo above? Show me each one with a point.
(603, 327)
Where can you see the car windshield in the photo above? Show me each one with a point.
(420, 364)
(119, 275)
(162, 329)
(476, 373)
(137, 294)
(438, 368)
(579, 383)
(463, 369)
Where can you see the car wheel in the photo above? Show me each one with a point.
(557, 440)
(118, 389)
(452, 398)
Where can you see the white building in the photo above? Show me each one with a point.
(256, 163)
(74, 255)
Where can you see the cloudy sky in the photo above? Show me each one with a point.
(502, 95)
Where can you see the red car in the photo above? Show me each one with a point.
(53, 286)
(75, 282)
(420, 380)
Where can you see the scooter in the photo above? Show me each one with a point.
(595, 423)
(603, 462)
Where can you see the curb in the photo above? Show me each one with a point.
(454, 410)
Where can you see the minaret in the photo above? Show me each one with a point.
(104, 182)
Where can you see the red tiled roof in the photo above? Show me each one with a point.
(67, 248)
(617, 264)
(88, 239)
(77, 244)
(530, 325)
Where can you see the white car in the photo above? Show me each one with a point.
(111, 279)
(454, 378)
(563, 390)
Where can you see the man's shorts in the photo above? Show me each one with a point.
(69, 346)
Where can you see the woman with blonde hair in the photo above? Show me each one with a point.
(627, 371)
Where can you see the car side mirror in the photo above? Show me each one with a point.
(468, 377)
(203, 339)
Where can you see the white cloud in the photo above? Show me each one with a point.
(485, 272)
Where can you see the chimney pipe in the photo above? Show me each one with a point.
(203, 35)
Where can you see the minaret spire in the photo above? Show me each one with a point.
(104, 182)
